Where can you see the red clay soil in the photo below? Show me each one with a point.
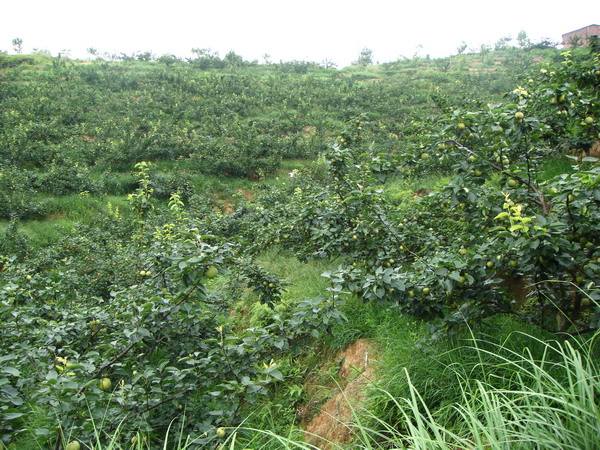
(248, 195)
(421, 192)
(595, 150)
(333, 423)
(309, 131)
(227, 207)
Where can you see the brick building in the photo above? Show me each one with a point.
(582, 34)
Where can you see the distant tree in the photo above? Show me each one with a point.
(125, 57)
(484, 50)
(328, 63)
(92, 51)
(41, 51)
(267, 59)
(205, 58)
(295, 66)
(167, 60)
(443, 64)
(232, 59)
(144, 56)
(502, 43)
(461, 48)
(544, 43)
(523, 39)
(204, 52)
(365, 57)
(17, 44)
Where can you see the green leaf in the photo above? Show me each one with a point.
(11, 371)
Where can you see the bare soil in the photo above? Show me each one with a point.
(333, 422)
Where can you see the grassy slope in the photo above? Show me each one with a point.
(395, 333)
(493, 69)
(402, 339)
(67, 210)
(398, 335)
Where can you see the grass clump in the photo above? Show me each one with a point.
(503, 396)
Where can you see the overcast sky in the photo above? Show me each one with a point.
(285, 29)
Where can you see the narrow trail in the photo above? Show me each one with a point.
(333, 423)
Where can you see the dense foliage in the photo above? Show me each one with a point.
(102, 327)
(68, 127)
(499, 229)
(132, 319)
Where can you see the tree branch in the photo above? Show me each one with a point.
(540, 196)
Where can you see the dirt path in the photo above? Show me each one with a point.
(333, 423)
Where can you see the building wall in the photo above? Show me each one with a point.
(583, 33)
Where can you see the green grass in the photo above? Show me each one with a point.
(41, 233)
(538, 394)
(63, 213)
(406, 353)
(401, 189)
(80, 208)
(514, 391)
(303, 280)
(553, 167)
(407, 347)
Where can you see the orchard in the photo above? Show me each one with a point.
(163, 220)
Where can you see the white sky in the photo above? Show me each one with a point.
(307, 29)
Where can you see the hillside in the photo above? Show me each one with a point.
(216, 254)
(98, 119)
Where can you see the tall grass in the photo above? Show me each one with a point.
(549, 402)
(552, 404)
